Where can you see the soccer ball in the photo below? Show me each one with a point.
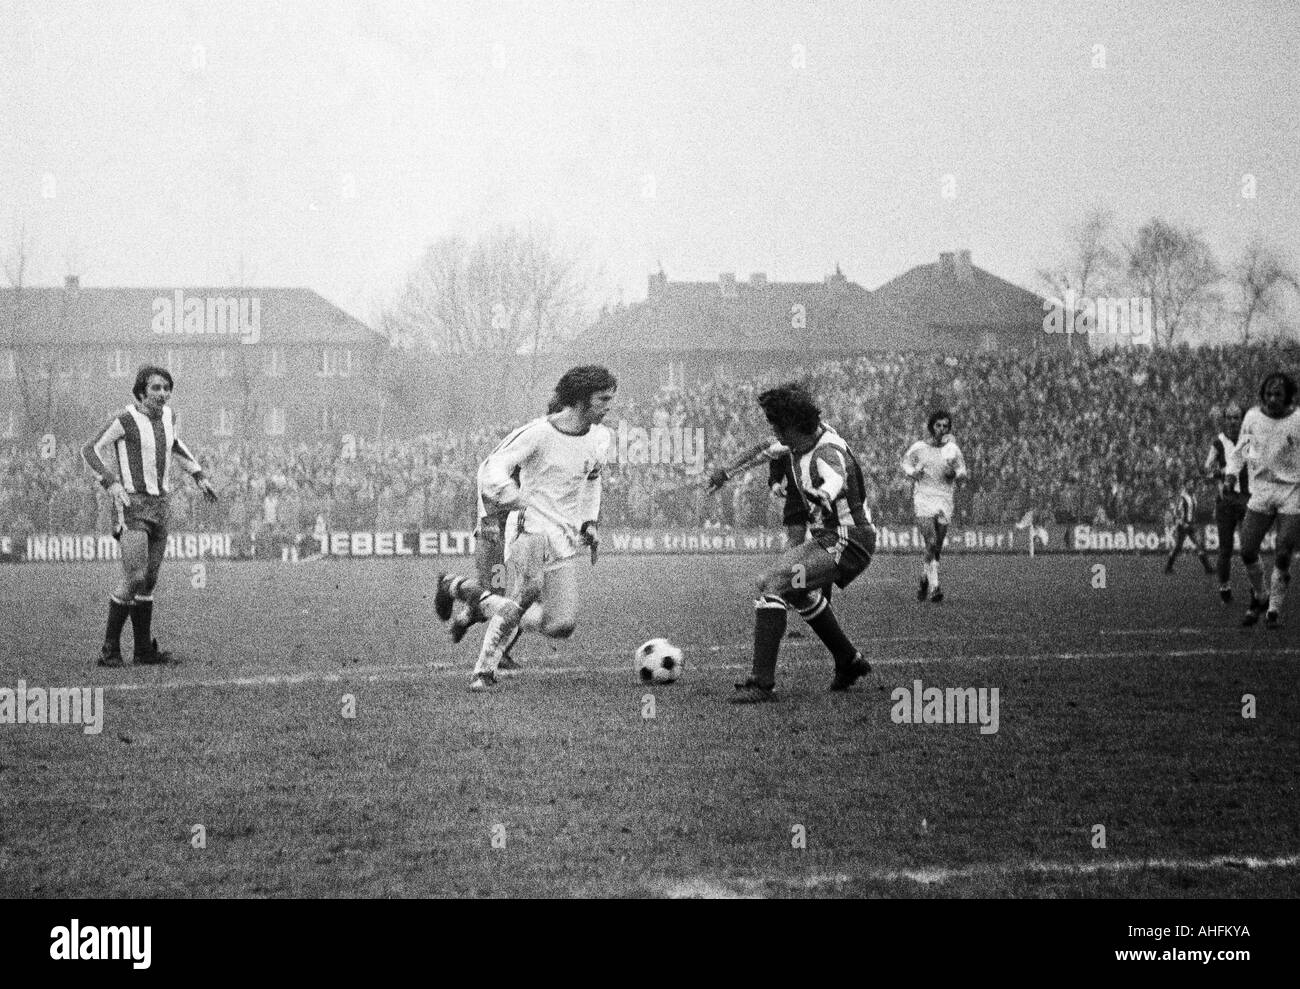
(658, 661)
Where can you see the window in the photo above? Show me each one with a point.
(8, 369)
(170, 361)
(672, 375)
(224, 425)
(275, 363)
(275, 422)
(120, 365)
(220, 369)
(335, 363)
(10, 424)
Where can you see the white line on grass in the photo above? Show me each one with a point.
(375, 674)
(701, 887)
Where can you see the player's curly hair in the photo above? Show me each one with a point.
(935, 416)
(578, 384)
(790, 406)
(1288, 385)
(143, 375)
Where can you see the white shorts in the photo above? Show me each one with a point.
(933, 507)
(537, 553)
(1267, 497)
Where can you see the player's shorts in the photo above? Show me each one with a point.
(933, 507)
(533, 554)
(850, 548)
(1228, 512)
(1269, 497)
(147, 513)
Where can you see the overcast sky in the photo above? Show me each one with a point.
(326, 143)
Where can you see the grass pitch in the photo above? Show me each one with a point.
(1120, 706)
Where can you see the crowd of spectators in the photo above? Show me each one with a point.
(1071, 436)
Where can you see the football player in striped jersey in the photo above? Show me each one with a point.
(132, 457)
(1270, 448)
(821, 481)
(1186, 527)
(1225, 466)
(934, 466)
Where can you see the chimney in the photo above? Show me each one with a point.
(72, 282)
(962, 266)
(758, 279)
(658, 286)
(727, 280)
(946, 265)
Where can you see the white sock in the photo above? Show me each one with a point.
(1278, 592)
(934, 574)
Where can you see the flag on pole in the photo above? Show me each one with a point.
(1028, 523)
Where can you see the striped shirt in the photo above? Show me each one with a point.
(1185, 509)
(830, 468)
(142, 450)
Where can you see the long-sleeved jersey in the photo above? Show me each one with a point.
(141, 450)
(1225, 461)
(1270, 448)
(927, 465)
(824, 484)
(553, 475)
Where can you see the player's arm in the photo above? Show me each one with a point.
(833, 469)
(95, 454)
(190, 464)
(589, 500)
(499, 470)
(958, 470)
(911, 468)
(769, 450)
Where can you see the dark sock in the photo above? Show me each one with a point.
(828, 630)
(468, 590)
(769, 627)
(117, 612)
(142, 626)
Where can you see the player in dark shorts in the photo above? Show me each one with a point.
(1187, 528)
(140, 443)
(819, 473)
(1225, 466)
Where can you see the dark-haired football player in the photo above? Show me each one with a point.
(140, 444)
(1270, 447)
(548, 469)
(1224, 466)
(819, 474)
(935, 466)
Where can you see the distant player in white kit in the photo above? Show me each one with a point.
(550, 471)
(935, 466)
(1270, 448)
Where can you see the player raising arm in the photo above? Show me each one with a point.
(140, 443)
(549, 470)
(1270, 447)
(935, 466)
(821, 475)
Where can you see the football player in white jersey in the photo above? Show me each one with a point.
(141, 444)
(1224, 466)
(489, 566)
(1270, 447)
(935, 466)
(548, 469)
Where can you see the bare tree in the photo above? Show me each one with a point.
(1093, 263)
(502, 302)
(1175, 268)
(1261, 278)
